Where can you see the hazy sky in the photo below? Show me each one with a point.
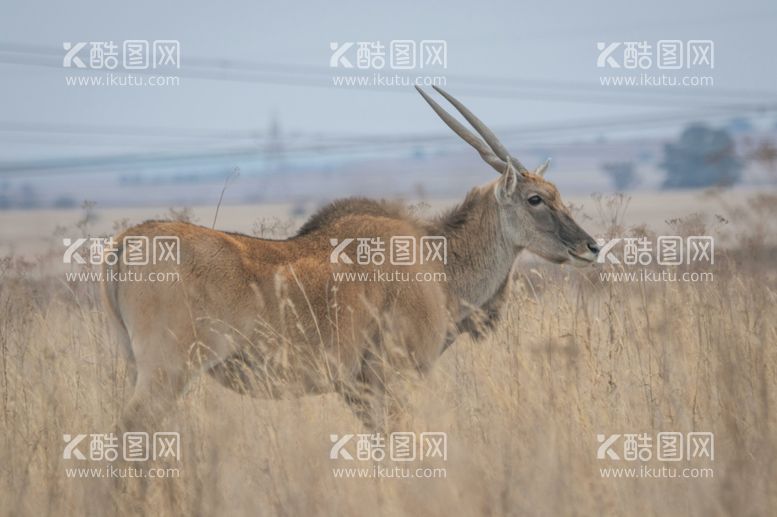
(554, 41)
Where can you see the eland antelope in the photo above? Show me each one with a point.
(270, 317)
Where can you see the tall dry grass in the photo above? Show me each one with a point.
(572, 357)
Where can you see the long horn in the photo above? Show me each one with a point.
(488, 135)
(480, 146)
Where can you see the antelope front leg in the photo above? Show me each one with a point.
(374, 396)
(363, 402)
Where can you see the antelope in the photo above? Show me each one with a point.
(268, 318)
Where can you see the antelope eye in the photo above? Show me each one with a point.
(535, 200)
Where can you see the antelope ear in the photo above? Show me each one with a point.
(540, 171)
(508, 183)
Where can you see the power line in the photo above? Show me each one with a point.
(364, 145)
(128, 131)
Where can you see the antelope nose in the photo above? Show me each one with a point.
(593, 247)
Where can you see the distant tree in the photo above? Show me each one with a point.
(701, 157)
(623, 175)
(5, 196)
(65, 202)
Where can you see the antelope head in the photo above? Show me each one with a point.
(531, 213)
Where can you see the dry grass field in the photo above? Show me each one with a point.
(573, 357)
